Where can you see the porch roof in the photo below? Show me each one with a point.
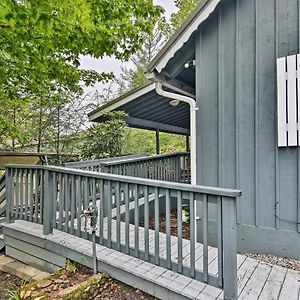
(147, 110)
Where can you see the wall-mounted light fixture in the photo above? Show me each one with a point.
(190, 63)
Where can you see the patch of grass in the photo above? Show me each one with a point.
(15, 294)
(71, 266)
(12, 295)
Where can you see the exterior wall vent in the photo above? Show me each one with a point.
(288, 100)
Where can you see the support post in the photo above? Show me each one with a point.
(229, 248)
(9, 195)
(157, 141)
(49, 198)
(187, 143)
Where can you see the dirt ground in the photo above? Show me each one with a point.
(111, 289)
(8, 282)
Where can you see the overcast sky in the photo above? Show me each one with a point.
(112, 65)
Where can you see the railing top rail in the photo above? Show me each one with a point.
(95, 162)
(145, 158)
(225, 192)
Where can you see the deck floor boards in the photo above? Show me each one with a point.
(256, 280)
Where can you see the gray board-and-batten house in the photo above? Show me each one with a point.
(238, 59)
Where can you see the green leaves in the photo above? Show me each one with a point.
(41, 42)
(105, 139)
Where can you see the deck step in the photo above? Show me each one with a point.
(17, 268)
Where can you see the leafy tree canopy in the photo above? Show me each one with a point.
(41, 41)
(185, 7)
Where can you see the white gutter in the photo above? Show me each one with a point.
(193, 109)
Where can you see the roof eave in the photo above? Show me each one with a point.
(199, 15)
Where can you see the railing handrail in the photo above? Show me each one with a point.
(146, 158)
(95, 162)
(225, 192)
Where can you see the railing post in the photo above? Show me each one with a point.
(49, 198)
(229, 248)
(9, 195)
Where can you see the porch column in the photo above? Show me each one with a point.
(157, 141)
(187, 143)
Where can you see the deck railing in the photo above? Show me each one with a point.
(56, 197)
(174, 167)
(2, 196)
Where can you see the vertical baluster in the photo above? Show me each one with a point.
(168, 228)
(136, 220)
(67, 202)
(78, 208)
(54, 188)
(205, 237)
(169, 169)
(179, 230)
(31, 196)
(86, 195)
(21, 193)
(156, 217)
(192, 235)
(94, 189)
(41, 208)
(146, 221)
(184, 171)
(9, 185)
(220, 242)
(127, 220)
(101, 212)
(16, 193)
(160, 164)
(26, 171)
(118, 203)
(60, 200)
(72, 203)
(36, 202)
(109, 208)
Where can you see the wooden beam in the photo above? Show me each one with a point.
(146, 124)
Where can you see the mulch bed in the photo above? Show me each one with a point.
(162, 225)
(116, 290)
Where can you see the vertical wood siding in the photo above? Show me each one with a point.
(236, 52)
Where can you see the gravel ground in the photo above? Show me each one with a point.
(279, 261)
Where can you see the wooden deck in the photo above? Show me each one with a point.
(256, 280)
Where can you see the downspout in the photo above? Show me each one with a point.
(193, 109)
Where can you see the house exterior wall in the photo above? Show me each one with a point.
(236, 51)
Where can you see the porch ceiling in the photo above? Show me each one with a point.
(147, 110)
